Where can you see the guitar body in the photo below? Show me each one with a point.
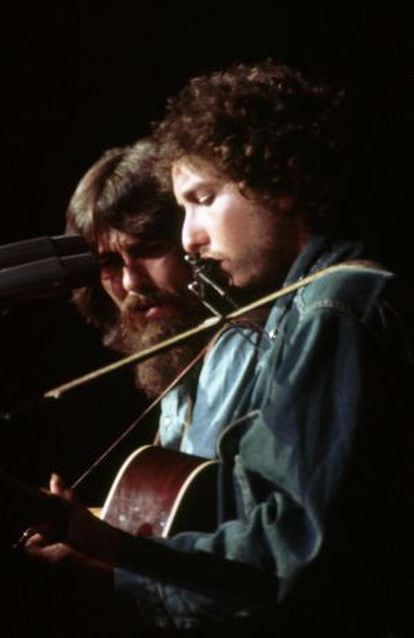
(161, 492)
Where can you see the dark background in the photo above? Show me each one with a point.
(80, 78)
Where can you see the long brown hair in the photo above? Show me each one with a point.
(119, 191)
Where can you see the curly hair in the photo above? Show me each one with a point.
(265, 127)
(119, 191)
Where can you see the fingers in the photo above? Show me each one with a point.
(37, 548)
(62, 555)
(23, 539)
(35, 541)
(56, 484)
(58, 487)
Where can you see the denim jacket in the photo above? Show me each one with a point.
(306, 392)
(192, 420)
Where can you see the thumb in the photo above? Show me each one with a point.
(58, 487)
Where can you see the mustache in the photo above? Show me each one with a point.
(136, 302)
(142, 301)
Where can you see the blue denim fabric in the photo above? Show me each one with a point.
(309, 392)
(212, 407)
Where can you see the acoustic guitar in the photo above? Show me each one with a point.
(160, 492)
(157, 492)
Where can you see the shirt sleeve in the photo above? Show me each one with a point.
(319, 385)
(311, 395)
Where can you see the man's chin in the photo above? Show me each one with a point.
(148, 331)
(135, 333)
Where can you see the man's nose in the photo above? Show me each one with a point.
(193, 233)
(135, 277)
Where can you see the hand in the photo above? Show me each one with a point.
(39, 548)
(86, 543)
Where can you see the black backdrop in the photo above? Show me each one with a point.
(82, 77)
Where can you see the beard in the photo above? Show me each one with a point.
(134, 333)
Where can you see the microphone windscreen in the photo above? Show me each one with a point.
(37, 248)
(47, 277)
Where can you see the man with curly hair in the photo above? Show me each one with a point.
(309, 500)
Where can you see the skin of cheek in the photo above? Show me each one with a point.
(238, 235)
(113, 288)
(168, 273)
(165, 274)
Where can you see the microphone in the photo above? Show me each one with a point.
(45, 267)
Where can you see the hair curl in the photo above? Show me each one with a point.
(119, 191)
(266, 127)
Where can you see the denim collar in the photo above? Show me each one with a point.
(320, 252)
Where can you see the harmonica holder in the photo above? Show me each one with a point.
(211, 294)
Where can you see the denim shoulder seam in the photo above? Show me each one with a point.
(329, 304)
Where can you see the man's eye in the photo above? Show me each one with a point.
(205, 199)
(109, 262)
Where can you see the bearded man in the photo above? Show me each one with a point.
(142, 296)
